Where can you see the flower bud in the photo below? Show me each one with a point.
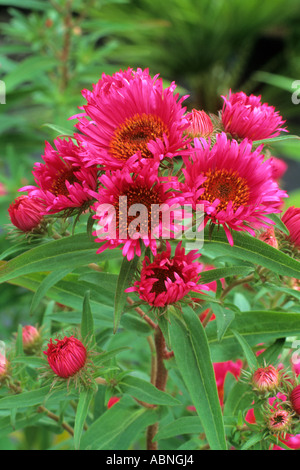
(31, 339)
(268, 236)
(279, 421)
(295, 399)
(67, 357)
(265, 379)
(200, 124)
(26, 213)
(3, 368)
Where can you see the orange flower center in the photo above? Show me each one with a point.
(137, 195)
(227, 186)
(134, 134)
(59, 187)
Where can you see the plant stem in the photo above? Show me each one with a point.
(42, 409)
(161, 377)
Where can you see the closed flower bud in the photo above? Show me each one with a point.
(291, 218)
(265, 379)
(200, 124)
(26, 213)
(31, 339)
(66, 357)
(3, 368)
(268, 236)
(295, 399)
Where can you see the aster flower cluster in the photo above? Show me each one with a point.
(138, 159)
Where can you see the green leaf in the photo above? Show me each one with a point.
(180, 426)
(192, 355)
(254, 439)
(45, 285)
(126, 274)
(224, 317)
(248, 248)
(65, 253)
(118, 427)
(60, 131)
(32, 398)
(220, 273)
(27, 70)
(84, 402)
(274, 140)
(249, 354)
(145, 391)
(255, 327)
(87, 322)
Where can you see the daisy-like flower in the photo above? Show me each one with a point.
(126, 117)
(279, 421)
(25, 213)
(233, 183)
(291, 218)
(135, 207)
(168, 279)
(246, 116)
(62, 180)
(295, 399)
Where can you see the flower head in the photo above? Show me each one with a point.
(131, 115)
(278, 421)
(268, 236)
(62, 180)
(66, 357)
(295, 399)
(247, 117)
(200, 124)
(233, 183)
(168, 279)
(265, 379)
(291, 218)
(26, 213)
(121, 196)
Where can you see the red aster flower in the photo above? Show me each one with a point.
(133, 117)
(246, 117)
(4, 366)
(200, 124)
(265, 379)
(62, 180)
(234, 185)
(66, 357)
(26, 213)
(121, 196)
(291, 218)
(295, 399)
(168, 279)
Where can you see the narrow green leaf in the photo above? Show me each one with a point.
(126, 274)
(249, 354)
(59, 131)
(65, 253)
(87, 321)
(145, 391)
(224, 317)
(220, 273)
(248, 248)
(84, 402)
(254, 439)
(180, 426)
(45, 285)
(192, 355)
(274, 140)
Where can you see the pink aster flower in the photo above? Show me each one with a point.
(66, 357)
(168, 279)
(246, 117)
(291, 218)
(233, 183)
(134, 116)
(62, 180)
(4, 366)
(26, 213)
(135, 207)
(31, 338)
(279, 167)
